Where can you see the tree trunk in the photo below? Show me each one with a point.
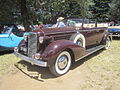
(25, 15)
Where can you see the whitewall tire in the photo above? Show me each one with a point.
(62, 64)
(107, 43)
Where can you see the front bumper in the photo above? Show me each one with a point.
(31, 60)
(116, 35)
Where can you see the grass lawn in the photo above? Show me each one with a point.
(104, 69)
(7, 61)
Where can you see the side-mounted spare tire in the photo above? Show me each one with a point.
(79, 39)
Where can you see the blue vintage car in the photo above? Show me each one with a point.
(115, 31)
(10, 37)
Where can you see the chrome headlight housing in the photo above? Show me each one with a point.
(16, 49)
(41, 39)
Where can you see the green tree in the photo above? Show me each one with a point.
(115, 10)
(29, 12)
(50, 10)
(8, 10)
(100, 10)
(85, 8)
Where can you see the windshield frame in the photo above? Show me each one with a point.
(8, 29)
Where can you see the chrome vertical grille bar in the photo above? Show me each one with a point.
(32, 44)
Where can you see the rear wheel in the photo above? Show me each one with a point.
(107, 43)
(62, 64)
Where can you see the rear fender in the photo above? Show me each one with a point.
(107, 34)
(54, 49)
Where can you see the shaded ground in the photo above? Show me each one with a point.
(100, 71)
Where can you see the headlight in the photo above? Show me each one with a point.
(41, 39)
(16, 49)
(37, 56)
(25, 37)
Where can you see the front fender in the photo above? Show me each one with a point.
(54, 49)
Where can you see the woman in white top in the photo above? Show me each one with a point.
(60, 23)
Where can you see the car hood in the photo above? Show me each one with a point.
(48, 31)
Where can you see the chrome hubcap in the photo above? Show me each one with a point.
(62, 62)
(79, 43)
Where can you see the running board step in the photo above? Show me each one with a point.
(94, 49)
(91, 50)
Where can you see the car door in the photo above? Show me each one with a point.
(89, 35)
(99, 33)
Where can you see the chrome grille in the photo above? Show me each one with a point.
(32, 44)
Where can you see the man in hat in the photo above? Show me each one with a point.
(60, 23)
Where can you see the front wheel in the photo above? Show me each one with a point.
(107, 43)
(62, 64)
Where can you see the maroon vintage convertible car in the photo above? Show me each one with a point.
(57, 48)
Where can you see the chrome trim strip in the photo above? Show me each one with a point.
(30, 60)
(90, 30)
(81, 30)
(62, 32)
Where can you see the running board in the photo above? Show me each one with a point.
(91, 50)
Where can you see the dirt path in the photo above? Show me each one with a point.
(99, 71)
(30, 80)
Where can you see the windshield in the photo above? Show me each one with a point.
(7, 29)
(74, 22)
(89, 23)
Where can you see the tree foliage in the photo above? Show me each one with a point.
(48, 11)
(7, 11)
(114, 14)
(100, 10)
(30, 12)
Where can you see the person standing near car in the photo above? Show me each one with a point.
(60, 23)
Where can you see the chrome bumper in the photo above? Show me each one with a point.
(115, 35)
(32, 61)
